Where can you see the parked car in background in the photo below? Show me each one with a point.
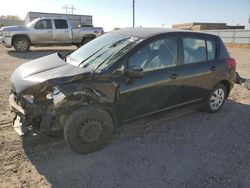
(118, 77)
(47, 31)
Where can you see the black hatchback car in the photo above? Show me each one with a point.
(120, 76)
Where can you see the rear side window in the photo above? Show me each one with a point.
(223, 51)
(211, 49)
(44, 24)
(61, 24)
(194, 50)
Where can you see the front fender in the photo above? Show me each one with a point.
(104, 94)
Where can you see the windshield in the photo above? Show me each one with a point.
(102, 51)
(32, 22)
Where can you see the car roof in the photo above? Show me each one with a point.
(146, 32)
(54, 18)
(149, 32)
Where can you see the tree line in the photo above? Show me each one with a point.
(10, 17)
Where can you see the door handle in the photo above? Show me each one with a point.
(213, 68)
(66, 31)
(174, 76)
(50, 31)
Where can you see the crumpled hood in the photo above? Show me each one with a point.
(47, 69)
(13, 28)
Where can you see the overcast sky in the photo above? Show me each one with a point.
(149, 13)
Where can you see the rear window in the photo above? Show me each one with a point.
(61, 24)
(194, 50)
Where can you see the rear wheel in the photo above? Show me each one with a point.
(88, 129)
(87, 39)
(216, 98)
(21, 44)
(84, 41)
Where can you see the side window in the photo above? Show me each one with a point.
(44, 24)
(211, 49)
(194, 50)
(156, 55)
(61, 24)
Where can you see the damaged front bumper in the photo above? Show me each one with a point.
(19, 123)
(36, 115)
(16, 107)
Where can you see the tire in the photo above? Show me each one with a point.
(88, 129)
(216, 98)
(21, 44)
(78, 45)
(86, 40)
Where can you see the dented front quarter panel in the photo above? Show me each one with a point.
(80, 93)
(101, 90)
(79, 87)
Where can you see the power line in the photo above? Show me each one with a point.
(69, 9)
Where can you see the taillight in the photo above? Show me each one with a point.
(231, 62)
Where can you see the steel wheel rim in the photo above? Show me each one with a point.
(217, 99)
(22, 45)
(90, 131)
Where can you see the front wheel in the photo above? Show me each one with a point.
(216, 98)
(88, 129)
(21, 44)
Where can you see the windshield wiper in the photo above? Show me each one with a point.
(86, 65)
(103, 61)
(91, 56)
(117, 54)
(118, 42)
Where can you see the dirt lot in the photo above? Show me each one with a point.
(190, 149)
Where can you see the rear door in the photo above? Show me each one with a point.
(199, 69)
(158, 89)
(42, 32)
(62, 32)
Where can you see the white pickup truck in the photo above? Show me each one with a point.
(47, 31)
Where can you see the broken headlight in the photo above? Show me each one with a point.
(56, 95)
(29, 98)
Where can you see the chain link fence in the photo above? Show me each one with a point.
(236, 36)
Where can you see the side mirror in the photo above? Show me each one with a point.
(135, 72)
(119, 72)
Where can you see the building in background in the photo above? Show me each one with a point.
(196, 26)
(10, 22)
(76, 20)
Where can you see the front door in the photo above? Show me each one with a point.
(158, 89)
(43, 32)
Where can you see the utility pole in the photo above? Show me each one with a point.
(249, 22)
(133, 13)
(69, 9)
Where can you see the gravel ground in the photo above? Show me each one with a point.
(185, 149)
